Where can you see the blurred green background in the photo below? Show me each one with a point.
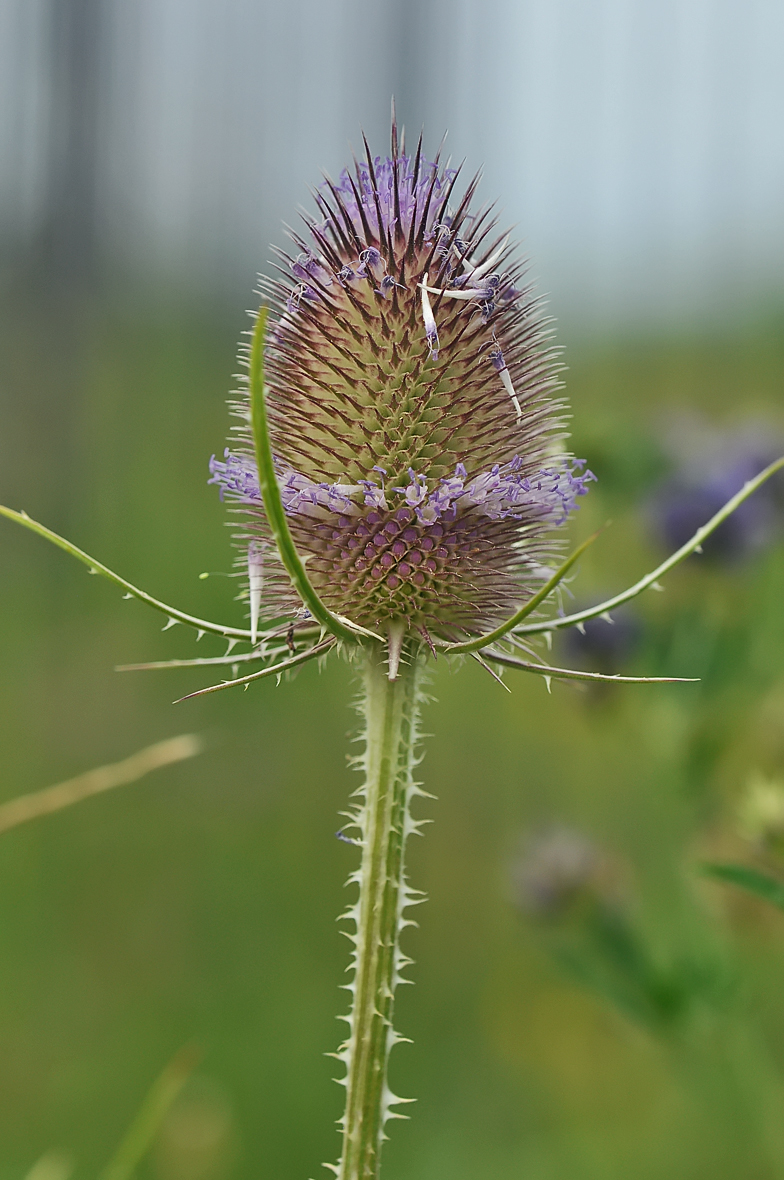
(199, 905)
(632, 1028)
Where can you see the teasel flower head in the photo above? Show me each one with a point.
(412, 393)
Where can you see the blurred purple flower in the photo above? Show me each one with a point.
(554, 870)
(712, 465)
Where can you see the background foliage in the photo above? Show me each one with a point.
(199, 905)
(148, 152)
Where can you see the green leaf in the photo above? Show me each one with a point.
(273, 504)
(752, 880)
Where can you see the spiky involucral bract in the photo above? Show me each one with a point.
(410, 377)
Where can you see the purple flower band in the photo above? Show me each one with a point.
(504, 491)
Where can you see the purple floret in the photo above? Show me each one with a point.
(412, 192)
(237, 476)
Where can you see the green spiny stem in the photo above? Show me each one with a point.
(391, 709)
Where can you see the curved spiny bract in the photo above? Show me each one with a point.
(412, 399)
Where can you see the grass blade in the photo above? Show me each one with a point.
(54, 1165)
(95, 782)
(140, 1136)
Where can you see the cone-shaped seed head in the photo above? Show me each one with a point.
(410, 381)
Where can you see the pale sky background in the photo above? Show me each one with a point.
(637, 145)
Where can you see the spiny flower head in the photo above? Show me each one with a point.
(411, 381)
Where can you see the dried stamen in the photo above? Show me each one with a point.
(431, 331)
